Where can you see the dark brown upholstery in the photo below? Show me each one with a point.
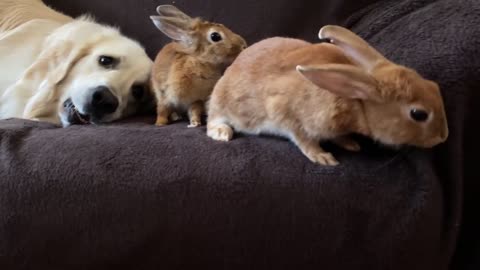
(134, 196)
(252, 19)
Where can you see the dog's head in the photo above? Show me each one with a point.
(108, 81)
(94, 74)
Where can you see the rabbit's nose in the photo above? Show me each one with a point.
(243, 43)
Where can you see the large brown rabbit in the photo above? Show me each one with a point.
(186, 70)
(314, 92)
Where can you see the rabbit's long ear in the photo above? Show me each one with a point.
(353, 46)
(175, 28)
(342, 80)
(172, 11)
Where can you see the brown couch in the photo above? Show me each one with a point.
(134, 196)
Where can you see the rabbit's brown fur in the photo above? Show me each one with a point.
(186, 71)
(262, 92)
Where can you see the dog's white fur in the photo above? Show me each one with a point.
(47, 57)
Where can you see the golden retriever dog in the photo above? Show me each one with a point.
(66, 71)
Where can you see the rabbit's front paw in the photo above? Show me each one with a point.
(174, 117)
(161, 121)
(195, 123)
(347, 144)
(323, 158)
(221, 132)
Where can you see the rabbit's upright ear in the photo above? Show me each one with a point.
(353, 46)
(175, 28)
(342, 80)
(172, 11)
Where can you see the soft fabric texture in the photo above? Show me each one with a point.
(136, 196)
(96, 198)
(252, 19)
(441, 39)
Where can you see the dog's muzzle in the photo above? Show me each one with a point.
(100, 103)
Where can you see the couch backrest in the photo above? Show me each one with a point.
(253, 19)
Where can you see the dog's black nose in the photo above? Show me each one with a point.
(103, 102)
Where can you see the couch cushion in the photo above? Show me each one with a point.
(95, 197)
(142, 197)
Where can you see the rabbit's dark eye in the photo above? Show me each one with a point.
(107, 61)
(419, 115)
(215, 37)
(138, 91)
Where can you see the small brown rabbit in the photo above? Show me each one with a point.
(186, 70)
(314, 92)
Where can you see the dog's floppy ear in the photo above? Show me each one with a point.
(42, 77)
